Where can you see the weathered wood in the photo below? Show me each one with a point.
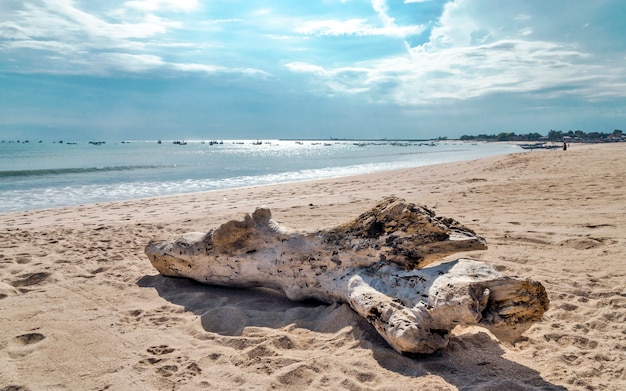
(374, 263)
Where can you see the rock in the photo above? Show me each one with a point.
(376, 263)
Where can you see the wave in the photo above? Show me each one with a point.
(103, 181)
(73, 170)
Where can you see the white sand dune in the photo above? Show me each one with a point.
(82, 308)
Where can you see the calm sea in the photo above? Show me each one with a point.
(43, 175)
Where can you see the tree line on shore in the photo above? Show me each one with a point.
(553, 136)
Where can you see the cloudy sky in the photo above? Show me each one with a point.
(84, 69)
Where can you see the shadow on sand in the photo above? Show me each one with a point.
(227, 311)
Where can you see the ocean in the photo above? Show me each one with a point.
(39, 175)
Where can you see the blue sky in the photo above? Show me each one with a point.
(289, 68)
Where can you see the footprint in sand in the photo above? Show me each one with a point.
(7, 290)
(160, 350)
(297, 375)
(30, 279)
(99, 270)
(583, 243)
(161, 316)
(156, 353)
(25, 344)
(166, 364)
(29, 339)
(15, 388)
(23, 258)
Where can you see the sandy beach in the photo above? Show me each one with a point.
(81, 308)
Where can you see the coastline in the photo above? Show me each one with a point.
(88, 175)
(83, 308)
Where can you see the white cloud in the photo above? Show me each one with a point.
(129, 62)
(504, 66)
(361, 26)
(204, 68)
(49, 46)
(454, 28)
(106, 64)
(526, 31)
(61, 21)
(307, 68)
(12, 31)
(261, 12)
(82, 42)
(162, 5)
(470, 52)
(382, 10)
(224, 21)
(358, 27)
(333, 27)
(469, 55)
(347, 80)
(380, 6)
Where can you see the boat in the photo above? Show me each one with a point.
(540, 146)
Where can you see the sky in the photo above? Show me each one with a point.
(246, 69)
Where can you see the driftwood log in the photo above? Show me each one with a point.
(375, 263)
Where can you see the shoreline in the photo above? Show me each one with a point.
(14, 198)
(83, 308)
(214, 195)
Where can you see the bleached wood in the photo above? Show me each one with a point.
(374, 263)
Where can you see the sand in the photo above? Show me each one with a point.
(81, 308)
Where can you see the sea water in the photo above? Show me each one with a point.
(38, 175)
